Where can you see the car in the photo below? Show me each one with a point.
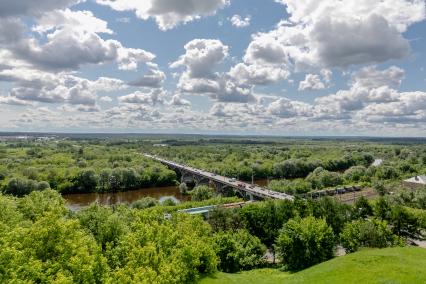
(232, 180)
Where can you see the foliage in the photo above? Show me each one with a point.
(183, 188)
(335, 214)
(223, 219)
(367, 233)
(201, 193)
(21, 187)
(296, 186)
(168, 202)
(321, 178)
(305, 242)
(42, 242)
(362, 208)
(263, 219)
(145, 202)
(238, 250)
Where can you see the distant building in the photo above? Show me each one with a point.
(160, 145)
(415, 182)
(377, 162)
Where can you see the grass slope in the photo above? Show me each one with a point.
(390, 265)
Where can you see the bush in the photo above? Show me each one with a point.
(355, 173)
(183, 188)
(297, 186)
(169, 202)
(201, 193)
(321, 178)
(21, 187)
(305, 242)
(367, 233)
(145, 202)
(238, 251)
(362, 208)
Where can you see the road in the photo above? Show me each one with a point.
(240, 185)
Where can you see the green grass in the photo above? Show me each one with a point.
(257, 276)
(390, 265)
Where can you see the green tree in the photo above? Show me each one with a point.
(105, 225)
(86, 181)
(367, 233)
(238, 251)
(362, 208)
(201, 193)
(304, 242)
(145, 202)
(183, 188)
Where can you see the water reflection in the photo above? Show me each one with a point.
(78, 201)
(81, 200)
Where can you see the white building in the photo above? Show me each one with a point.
(417, 181)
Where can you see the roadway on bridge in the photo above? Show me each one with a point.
(252, 189)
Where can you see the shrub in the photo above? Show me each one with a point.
(367, 233)
(238, 251)
(305, 242)
(21, 187)
(201, 193)
(169, 202)
(145, 202)
(321, 178)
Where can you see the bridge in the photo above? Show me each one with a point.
(246, 190)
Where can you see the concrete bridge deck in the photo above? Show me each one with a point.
(251, 190)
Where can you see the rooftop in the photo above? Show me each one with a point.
(417, 179)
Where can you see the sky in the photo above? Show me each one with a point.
(262, 67)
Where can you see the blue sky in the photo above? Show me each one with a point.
(283, 67)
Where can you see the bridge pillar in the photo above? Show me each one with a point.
(250, 196)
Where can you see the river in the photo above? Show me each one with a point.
(81, 200)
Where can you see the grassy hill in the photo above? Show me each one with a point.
(390, 265)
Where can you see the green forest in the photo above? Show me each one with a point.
(295, 167)
(43, 241)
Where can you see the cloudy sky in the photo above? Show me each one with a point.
(283, 67)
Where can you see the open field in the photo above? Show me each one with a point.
(390, 265)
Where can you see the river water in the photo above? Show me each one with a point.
(80, 200)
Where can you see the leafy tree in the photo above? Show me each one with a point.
(386, 172)
(355, 173)
(404, 223)
(224, 219)
(304, 242)
(335, 213)
(201, 193)
(362, 208)
(163, 251)
(380, 188)
(21, 187)
(238, 250)
(168, 202)
(183, 188)
(86, 181)
(145, 202)
(263, 219)
(382, 209)
(104, 176)
(367, 233)
(321, 178)
(105, 225)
